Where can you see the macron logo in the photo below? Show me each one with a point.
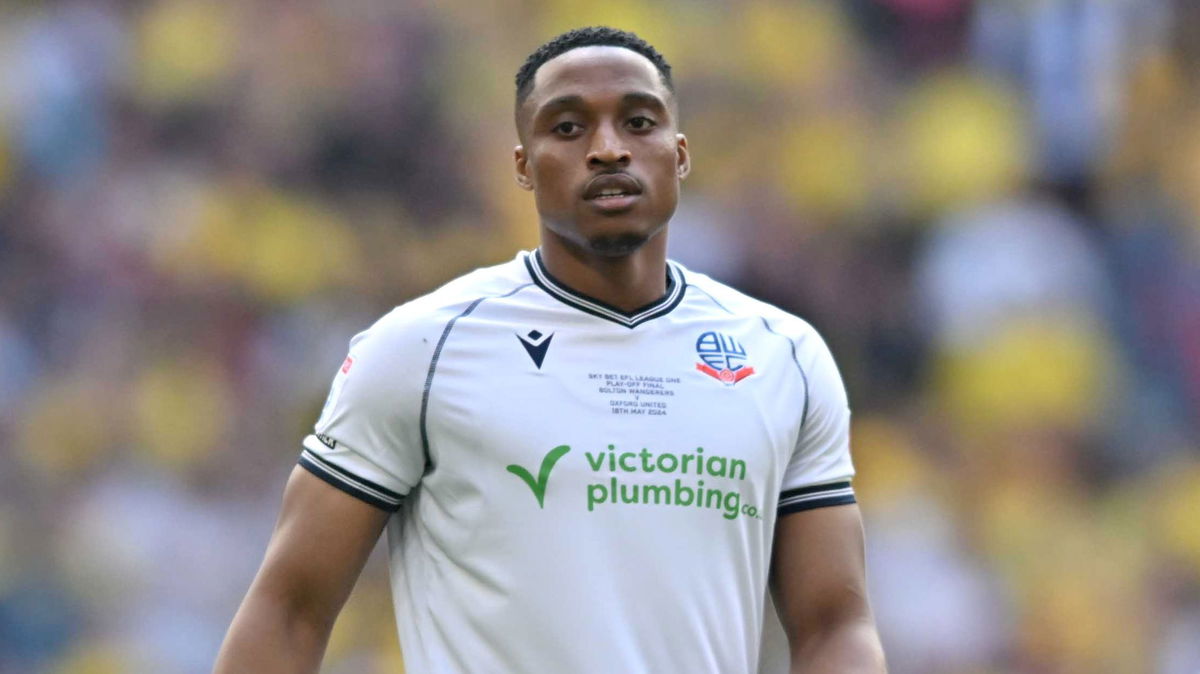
(536, 344)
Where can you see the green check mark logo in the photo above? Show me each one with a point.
(538, 487)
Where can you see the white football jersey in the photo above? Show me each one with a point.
(577, 488)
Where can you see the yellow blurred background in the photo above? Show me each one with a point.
(990, 209)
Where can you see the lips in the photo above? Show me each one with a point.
(611, 186)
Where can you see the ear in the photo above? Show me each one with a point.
(521, 165)
(683, 156)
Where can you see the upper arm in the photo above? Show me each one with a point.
(817, 571)
(817, 562)
(364, 456)
(320, 544)
(818, 576)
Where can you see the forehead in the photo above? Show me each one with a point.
(595, 70)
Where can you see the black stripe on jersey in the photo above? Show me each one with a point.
(796, 360)
(816, 496)
(676, 285)
(437, 354)
(362, 489)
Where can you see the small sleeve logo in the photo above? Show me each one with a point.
(335, 392)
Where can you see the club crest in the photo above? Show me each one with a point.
(722, 358)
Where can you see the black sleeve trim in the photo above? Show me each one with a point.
(814, 489)
(816, 496)
(819, 503)
(367, 484)
(364, 490)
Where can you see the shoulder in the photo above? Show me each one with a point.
(732, 301)
(420, 321)
(456, 297)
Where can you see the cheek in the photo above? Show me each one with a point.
(550, 170)
(666, 165)
(549, 166)
(666, 149)
(553, 184)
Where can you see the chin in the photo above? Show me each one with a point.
(615, 238)
(617, 245)
(606, 238)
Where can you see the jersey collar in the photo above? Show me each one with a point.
(576, 299)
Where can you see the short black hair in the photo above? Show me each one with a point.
(592, 36)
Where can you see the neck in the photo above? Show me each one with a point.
(627, 282)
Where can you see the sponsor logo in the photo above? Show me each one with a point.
(536, 344)
(346, 364)
(722, 358)
(538, 486)
(618, 478)
(327, 441)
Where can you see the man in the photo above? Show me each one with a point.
(588, 459)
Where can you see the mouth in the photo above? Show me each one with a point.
(611, 195)
(612, 192)
(616, 203)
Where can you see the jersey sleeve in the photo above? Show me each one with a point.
(367, 440)
(820, 469)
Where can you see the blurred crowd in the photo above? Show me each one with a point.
(990, 209)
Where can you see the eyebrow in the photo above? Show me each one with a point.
(644, 98)
(567, 101)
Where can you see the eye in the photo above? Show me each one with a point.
(566, 128)
(641, 123)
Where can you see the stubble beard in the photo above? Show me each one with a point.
(609, 245)
(618, 245)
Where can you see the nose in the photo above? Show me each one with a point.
(607, 150)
